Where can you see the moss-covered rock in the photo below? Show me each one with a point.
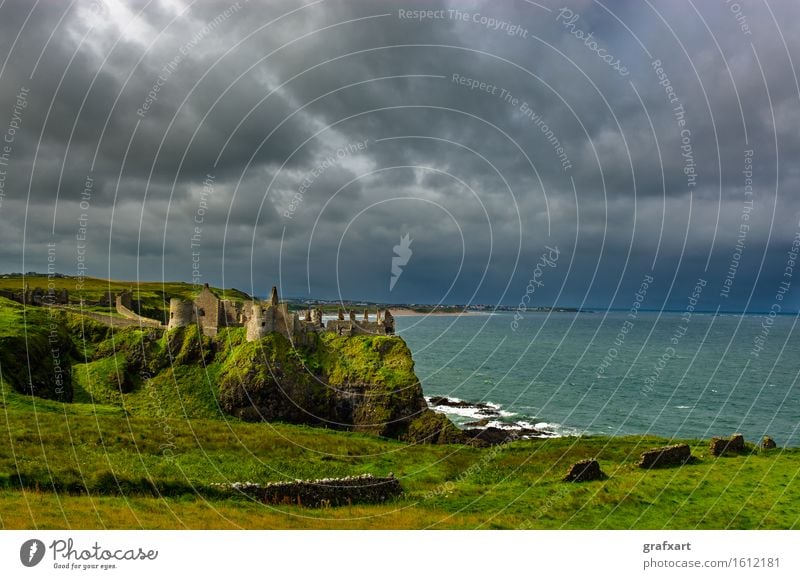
(362, 383)
(433, 428)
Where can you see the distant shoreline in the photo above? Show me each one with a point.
(403, 312)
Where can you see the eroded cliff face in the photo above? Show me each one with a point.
(361, 383)
(35, 352)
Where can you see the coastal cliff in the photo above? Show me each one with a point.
(360, 383)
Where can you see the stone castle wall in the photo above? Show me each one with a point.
(263, 318)
(124, 303)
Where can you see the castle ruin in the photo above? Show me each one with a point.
(262, 318)
(207, 311)
(211, 313)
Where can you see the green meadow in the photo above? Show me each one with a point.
(131, 452)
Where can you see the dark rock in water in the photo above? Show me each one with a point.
(444, 401)
(675, 455)
(479, 423)
(585, 470)
(732, 445)
(767, 443)
(481, 407)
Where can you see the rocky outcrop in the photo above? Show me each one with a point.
(585, 470)
(767, 443)
(360, 383)
(732, 445)
(666, 456)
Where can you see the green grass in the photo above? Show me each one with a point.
(160, 473)
(144, 445)
(154, 295)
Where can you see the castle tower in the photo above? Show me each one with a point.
(273, 298)
(257, 323)
(181, 313)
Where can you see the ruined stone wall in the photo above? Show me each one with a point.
(675, 455)
(131, 315)
(208, 311)
(125, 299)
(267, 318)
(357, 327)
(231, 314)
(331, 492)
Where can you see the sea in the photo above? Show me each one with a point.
(571, 373)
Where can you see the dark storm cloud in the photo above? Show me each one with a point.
(324, 133)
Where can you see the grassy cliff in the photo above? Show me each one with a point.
(363, 383)
(152, 422)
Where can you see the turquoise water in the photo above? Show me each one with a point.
(576, 373)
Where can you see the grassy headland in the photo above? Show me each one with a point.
(145, 443)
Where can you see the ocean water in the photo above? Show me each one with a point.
(571, 373)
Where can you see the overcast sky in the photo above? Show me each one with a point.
(261, 143)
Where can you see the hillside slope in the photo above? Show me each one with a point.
(361, 383)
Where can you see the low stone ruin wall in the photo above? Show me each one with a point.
(732, 445)
(331, 492)
(675, 455)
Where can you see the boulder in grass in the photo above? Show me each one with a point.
(767, 443)
(732, 445)
(666, 456)
(585, 470)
